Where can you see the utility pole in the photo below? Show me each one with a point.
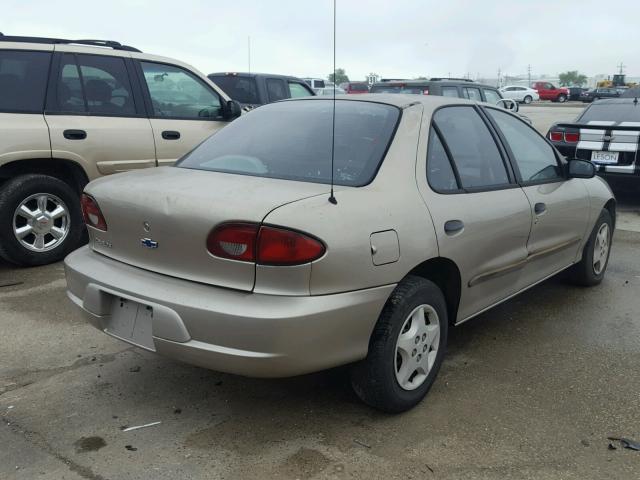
(499, 73)
(621, 67)
(249, 51)
(529, 75)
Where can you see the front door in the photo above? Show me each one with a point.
(184, 110)
(558, 207)
(93, 116)
(481, 216)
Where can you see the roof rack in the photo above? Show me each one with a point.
(50, 41)
(437, 79)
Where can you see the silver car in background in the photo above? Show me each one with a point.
(236, 259)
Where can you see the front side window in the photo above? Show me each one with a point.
(491, 96)
(176, 93)
(296, 90)
(292, 141)
(440, 174)
(472, 94)
(276, 89)
(23, 80)
(450, 92)
(94, 84)
(474, 151)
(533, 155)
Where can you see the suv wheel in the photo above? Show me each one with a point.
(406, 348)
(40, 220)
(562, 98)
(528, 99)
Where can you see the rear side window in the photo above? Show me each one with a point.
(474, 151)
(240, 89)
(439, 171)
(23, 80)
(450, 92)
(296, 90)
(276, 89)
(292, 141)
(358, 87)
(95, 84)
(472, 94)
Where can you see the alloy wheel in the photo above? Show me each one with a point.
(601, 249)
(41, 222)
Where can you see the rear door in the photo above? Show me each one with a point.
(183, 108)
(559, 206)
(95, 115)
(481, 216)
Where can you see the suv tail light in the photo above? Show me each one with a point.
(91, 213)
(571, 137)
(247, 242)
(555, 136)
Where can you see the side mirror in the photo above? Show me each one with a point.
(509, 104)
(232, 109)
(581, 168)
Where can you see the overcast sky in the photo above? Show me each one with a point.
(399, 38)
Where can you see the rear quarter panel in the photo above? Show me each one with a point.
(390, 202)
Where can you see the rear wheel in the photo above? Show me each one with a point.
(562, 98)
(40, 220)
(406, 348)
(528, 99)
(595, 256)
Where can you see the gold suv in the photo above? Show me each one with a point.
(75, 110)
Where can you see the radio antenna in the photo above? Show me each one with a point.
(332, 198)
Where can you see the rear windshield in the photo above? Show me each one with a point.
(292, 141)
(612, 112)
(398, 89)
(240, 89)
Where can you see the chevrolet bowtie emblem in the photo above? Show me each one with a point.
(148, 243)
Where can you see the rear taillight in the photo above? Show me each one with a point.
(91, 213)
(247, 242)
(278, 246)
(571, 137)
(236, 241)
(555, 136)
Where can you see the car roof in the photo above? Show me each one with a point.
(429, 102)
(253, 75)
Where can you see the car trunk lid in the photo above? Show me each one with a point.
(159, 219)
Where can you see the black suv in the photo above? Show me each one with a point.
(447, 87)
(255, 89)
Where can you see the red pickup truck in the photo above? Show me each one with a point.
(548, 91)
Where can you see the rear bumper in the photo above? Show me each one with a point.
(228, 330)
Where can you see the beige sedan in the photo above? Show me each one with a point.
(239, 258)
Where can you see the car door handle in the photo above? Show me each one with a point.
(170, 135)
(74, 134)
(452, 227)
(540, 208)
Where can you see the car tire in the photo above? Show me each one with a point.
(416, 308)
(595, 255)
(562, 98)
(46, 238)
(528, 99)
